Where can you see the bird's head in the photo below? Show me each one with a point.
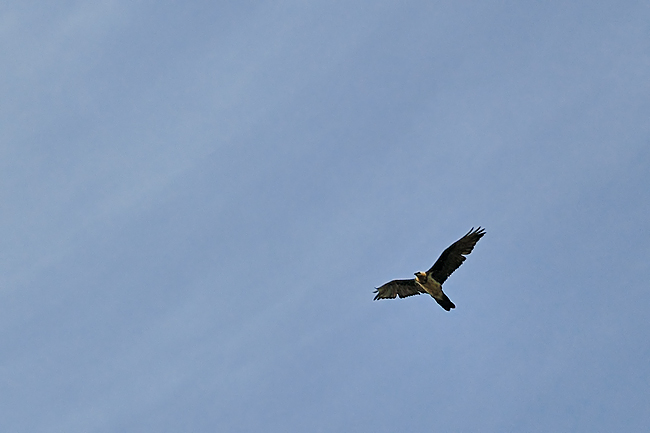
(421, 276)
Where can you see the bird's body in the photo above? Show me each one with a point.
(433, 288)
(431, 281)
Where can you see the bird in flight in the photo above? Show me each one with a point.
(431, 281)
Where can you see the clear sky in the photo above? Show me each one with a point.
(199, 198)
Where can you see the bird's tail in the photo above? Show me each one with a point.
(445, 302)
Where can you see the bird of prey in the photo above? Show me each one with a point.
(431, 281)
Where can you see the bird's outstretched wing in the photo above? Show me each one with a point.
(454, 256)
(401, 288)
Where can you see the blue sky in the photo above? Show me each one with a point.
(199, 198)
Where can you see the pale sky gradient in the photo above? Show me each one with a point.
(199, 198)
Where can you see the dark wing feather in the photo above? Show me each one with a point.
(454, 256)
(401, 288)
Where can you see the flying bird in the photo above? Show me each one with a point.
(431, 281)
